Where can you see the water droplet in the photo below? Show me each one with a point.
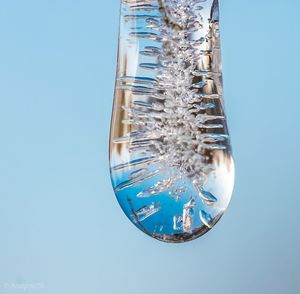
(169, 137)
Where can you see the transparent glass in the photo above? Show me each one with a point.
(170, 157)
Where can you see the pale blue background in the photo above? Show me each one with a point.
(60, 224)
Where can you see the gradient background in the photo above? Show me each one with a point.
(60, 224)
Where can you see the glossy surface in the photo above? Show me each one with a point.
(170, 153)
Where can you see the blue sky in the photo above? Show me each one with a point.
(59, 221)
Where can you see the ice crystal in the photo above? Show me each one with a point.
(171, 161)
(173, 126)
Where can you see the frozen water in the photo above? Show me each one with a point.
(170, 153)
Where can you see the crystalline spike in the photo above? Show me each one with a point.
(136, 162)
(177, 223)
(203, 106)
(138, 17)
(148, 35)
(215, 137)
(137, 89)
(144, 7)
(215, 147)
(143, 80)
(205, 218)
(208, 96)
(188, 215)
(133, 182)
(153, 66)
(207, 197)
(147, 211)
(209, 126)
(205, 117)
(199, 85)
(138, 173)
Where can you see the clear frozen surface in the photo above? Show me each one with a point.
(60, 223)
(170, 154)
